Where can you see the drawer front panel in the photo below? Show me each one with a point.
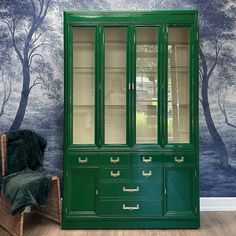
(82, 160)
(114, 159)
(179, 159)
(147, 190)
(130, 208)
(114, 173)
(147, 173)
(146, 159)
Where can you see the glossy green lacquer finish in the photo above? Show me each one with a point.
(124, 177)
(83, 191)
(179, 191)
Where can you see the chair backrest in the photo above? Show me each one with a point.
(3, 141)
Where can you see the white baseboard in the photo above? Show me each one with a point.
(218, 203)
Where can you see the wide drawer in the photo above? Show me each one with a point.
(130, 208)
(82, 160)
(124, 190)
(147, 173)
(114, 173)
(114, 159)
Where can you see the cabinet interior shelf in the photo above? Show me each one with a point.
(179, 105)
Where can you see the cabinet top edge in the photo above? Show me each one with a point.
(128, 12)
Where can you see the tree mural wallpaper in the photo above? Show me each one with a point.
(31, 78)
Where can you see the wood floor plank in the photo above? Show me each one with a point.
(212, 224)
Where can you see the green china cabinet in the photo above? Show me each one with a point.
(131, 119)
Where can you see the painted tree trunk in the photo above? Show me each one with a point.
(219, 144)
(24, 98)
(4, 97)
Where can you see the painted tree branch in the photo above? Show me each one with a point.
(6, 93)
(12, 33)
(34, 55)
(217, 52)
(35, 83)
(222, 103)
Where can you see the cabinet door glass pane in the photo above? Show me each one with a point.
(115, 86)
(146, 84)
(83, 85)
(178, 85)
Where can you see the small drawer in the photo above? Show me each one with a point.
(124, 190)
(114, 159)
(179, 159)
(114, 173)
(147, 173)
(130, 208)
(82, 160)
(146, 159)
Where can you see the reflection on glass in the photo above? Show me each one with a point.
(146, 84)
(83, 85)
(115, 86)
(178, 85)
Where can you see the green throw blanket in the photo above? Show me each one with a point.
(26, 188)
(26, 183)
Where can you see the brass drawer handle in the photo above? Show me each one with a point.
(130, 208)
(113, 160)
(83, 161)
(131, 190)
(115, 174)
(179, 160)
(147, 159)
(147, 174)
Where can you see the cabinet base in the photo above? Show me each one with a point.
(134, 224)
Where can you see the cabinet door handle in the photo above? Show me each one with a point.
(179, 160)
(130, 208)
(113, 160)
(83, 161)
(147, 159)
(130, 190)
(115, 174)
(147, 174)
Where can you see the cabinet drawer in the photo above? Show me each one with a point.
(114, 173)
(146, 159)
(147, 173)
(114, 159)
(130, 208)
(179, 159)
(82, 160)
(138, 189)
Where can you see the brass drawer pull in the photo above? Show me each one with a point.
(113, 160)
(115, 174)
(179, 160)
(83, 161)
(147, 159)
(147, 174)
(130, 208)
(131, 190)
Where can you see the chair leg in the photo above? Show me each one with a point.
(52, 210)
(13, 224)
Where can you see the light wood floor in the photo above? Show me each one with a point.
(212, 223)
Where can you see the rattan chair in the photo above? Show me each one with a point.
(14, 224)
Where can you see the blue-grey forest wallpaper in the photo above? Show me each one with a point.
(31, 77)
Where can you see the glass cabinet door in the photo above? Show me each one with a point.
(115, 85)
(178, 85)
(146, 85)
(83, 85)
